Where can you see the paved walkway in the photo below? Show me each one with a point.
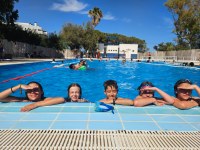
(22, 61)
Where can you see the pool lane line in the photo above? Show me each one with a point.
(27, 75)
(30, 74)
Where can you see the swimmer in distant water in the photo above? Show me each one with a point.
(123, 61)
(82, 65)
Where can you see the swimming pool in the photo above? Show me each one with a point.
(128, 76)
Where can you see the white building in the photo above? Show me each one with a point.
(128, 51)
(31, 27)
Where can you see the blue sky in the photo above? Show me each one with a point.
(148, 20)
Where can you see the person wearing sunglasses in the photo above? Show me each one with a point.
(33, 92)
(183, 94)
(146, 96)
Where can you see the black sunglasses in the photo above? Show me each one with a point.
(147, 92)
(32, 90)
(184, 90)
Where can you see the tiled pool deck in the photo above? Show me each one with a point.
(81, 116)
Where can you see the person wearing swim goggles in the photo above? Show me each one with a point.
(183, 94)
(34, 93)
(146, 96)
(75, 93)
(111, 91)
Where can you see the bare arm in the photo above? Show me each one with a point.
(167, 98)
(45, 102)
(82, 100)
(5, 95)
(139, 101)
(119, 101)
(164, 95)
(184, 104)
(197, 88)
(124, 101)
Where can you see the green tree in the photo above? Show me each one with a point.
(54, 41)
(96, 15)
(165, 46)
(118, 38)
(186, 16)
(90, 39)
(101, 36)
(72, 35)
(7, 13)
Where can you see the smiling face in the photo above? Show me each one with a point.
(111, 92)
(34, 94)
(74, 93)
(183, 91)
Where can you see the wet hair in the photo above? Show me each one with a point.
(83, 62)
(71, 66)
(111, 83)
(68, 99)
(180, 82)
(145, 83)
(40, 86)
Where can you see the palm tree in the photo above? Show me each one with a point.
(96, 15)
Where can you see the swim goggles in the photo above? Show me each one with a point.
(102, 107)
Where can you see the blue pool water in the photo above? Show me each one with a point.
(128, 76)
(82, 115)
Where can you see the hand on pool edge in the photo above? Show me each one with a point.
(28, 107)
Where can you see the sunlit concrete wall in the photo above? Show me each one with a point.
(18, 49)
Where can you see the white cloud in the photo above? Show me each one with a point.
(108, 16)
(69, 6)
(85, 12)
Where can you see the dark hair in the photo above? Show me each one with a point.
(145, 83)
(40, 86)
(111, 83)
(83, 62)
(71, 66)
(180, 82)
(68, 99)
